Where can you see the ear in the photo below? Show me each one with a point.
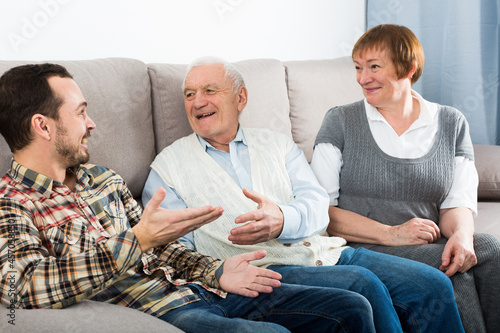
(242, 98)
(412, 71)
(42, 126)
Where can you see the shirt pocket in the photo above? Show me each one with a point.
(68, 236)
(115, 211)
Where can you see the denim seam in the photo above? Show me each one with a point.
(255, 316)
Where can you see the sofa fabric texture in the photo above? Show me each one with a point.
(138, 110)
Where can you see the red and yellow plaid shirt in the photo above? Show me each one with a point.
(59, 246)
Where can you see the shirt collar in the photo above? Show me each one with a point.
(238, 138)
(40, 183)
(427, 111)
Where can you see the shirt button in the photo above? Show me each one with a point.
(287, 244)
(307, 244)
(319, 263)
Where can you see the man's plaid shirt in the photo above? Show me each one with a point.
(58, 246)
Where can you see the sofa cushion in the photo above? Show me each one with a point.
(487, 160)
(307, 82)
(87, 316)
(267, 99)
(118, 94)
(487, 220)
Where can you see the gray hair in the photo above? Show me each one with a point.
(232, 72)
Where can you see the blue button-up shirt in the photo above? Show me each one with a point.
(305, 216)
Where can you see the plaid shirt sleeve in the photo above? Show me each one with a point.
(188, 265)
(31, 278)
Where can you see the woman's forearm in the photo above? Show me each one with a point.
(458, 219)
(356, 228)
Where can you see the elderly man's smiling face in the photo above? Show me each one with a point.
(211, 105)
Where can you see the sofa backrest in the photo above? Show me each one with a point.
(118, 94)
(314, 87)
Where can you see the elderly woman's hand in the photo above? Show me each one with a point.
(458, 254)
(413, 232)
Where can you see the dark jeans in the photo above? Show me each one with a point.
(288, 308)
(420, 295)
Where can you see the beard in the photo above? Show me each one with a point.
(71, 154)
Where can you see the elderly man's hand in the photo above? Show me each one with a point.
(240, 277)
(266, 222)
(159, 226)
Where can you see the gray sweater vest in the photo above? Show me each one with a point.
(387, 189)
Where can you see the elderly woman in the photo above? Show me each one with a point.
(400, 174)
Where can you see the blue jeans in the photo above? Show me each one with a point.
(420, 295)
(288, 308)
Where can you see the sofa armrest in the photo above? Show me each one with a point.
(87, 316)
(487, 160)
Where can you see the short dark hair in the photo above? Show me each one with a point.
(24, 92)
(402, 45)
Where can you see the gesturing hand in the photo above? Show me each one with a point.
(159, 226)
(242, 278)
(267, 222)
(413, 232)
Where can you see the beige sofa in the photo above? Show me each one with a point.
(138, 109)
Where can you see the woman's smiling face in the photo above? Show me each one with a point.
(376, 74)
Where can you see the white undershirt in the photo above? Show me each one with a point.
(414, 143)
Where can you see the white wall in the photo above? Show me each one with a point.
(177, 31)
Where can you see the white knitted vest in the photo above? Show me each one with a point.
(199, 181)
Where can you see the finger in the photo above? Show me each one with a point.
(248, 228)
(260, 288)
(248, 293)
(246, 241)
(457, 263)
(446, 257)
(255, 255)
(202, 219)
(428, 235)
(190, 217)
(470, 262)
(433, 226)
(452, 269)
(188, 214)
(269, 274)
(254, 196)
(250, 216)
(266, 282)
(249, 238)
(156, 199)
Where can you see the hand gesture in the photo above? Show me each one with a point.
(458, 254)
(413, 232)
(159, 226)
(267, 222)
(242, 278)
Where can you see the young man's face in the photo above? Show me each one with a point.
(74, 125)
(211, 106)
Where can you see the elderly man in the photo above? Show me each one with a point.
(272, 201)
(70, 230)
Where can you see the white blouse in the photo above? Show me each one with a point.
(414, 143)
